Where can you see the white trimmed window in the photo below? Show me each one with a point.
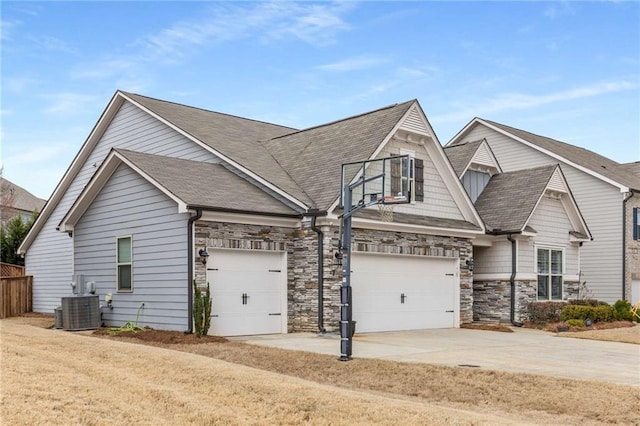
(123, 262)
(550, 264)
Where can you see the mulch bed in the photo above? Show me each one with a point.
(489, 327)
(558, 327)
(160, 336)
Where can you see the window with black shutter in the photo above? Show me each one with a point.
(419, 179)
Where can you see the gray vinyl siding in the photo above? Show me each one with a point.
(438, 201)
(599, 202)
(49, 258)
(493, 260)
(552, 224)
(128, 205)
(474, 183)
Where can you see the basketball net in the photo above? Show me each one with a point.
(386, 212)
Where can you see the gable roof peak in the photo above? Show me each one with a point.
(341, 120)
(136, 95)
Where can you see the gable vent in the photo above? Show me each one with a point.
(556, 183)
(414, 123)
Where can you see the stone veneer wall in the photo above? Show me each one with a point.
(492, 299)
(301, 248)
(631, 250)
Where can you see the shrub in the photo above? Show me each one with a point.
(623, 310)
(575, 323)
(201, 310)
(544, 312)
(584, 302)
(599, 313)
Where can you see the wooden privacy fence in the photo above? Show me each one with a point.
(15, 296)
(9, 270)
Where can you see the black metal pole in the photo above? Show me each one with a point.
(345, 289)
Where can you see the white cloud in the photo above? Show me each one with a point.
(6, 28)
(68, 103)
(507, 101)
(352, 64)
(557, 9)
(53, 44)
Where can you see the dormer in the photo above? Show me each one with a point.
(474, 163)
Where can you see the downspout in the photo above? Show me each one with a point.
(190, 276)
(624, 241)
(320, 274)
(512, 281)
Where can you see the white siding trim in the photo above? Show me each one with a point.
(97, 182)
(72, 171)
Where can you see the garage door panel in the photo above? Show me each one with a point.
(402, 293)
(247, 289)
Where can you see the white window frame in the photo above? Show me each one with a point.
(119, 264)
(550, 274)
(412, 172)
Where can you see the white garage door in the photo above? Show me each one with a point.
(403, 292)
(248, 291)
(635, 291)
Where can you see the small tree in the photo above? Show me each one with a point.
(11, 236)
(201, 310)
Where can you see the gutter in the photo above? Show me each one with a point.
(512, 279)
(190, 276)
(320, 234)
(624, 241)
(201, 208)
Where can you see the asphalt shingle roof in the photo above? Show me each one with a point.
(20, 198)
(205, 184)
(509, 199)
(235, 137)
(459, 155)
(313, 156)
(585, 158)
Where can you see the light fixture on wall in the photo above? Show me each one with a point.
(204, 255)
(470, 264)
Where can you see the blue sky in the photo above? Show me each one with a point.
(567, 70)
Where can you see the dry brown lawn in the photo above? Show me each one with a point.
(624, 335)
(55, 377)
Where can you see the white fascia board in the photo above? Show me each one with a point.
(560, 158)
(464, 130)
(401, 227)
(97, 182)
(72, 171)
(220, 155)
(249, 219)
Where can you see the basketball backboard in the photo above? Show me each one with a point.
(380, 181)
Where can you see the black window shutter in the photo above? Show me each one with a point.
(635, 224)
(419, 181)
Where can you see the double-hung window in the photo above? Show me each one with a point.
(549, 269)
(123, 262)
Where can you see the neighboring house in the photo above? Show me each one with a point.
(534, 233)
(15, 200)
(605, 191)
(158, 184)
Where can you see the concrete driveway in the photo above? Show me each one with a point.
(523, 351)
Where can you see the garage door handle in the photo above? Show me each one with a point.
(449, 275)
(449, 311)
(212, 269)
(278, 314)
(215, 316)
(275, 270)
(402, 297)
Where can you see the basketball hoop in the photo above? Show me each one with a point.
(386, 212)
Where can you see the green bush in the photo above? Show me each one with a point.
(544, 312)
(599, 313)
(201, 310)
(584, 302)
(623, 310)
(575, 323)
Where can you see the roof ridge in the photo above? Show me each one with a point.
(207, 110)
(343, 119)
(550, 139)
